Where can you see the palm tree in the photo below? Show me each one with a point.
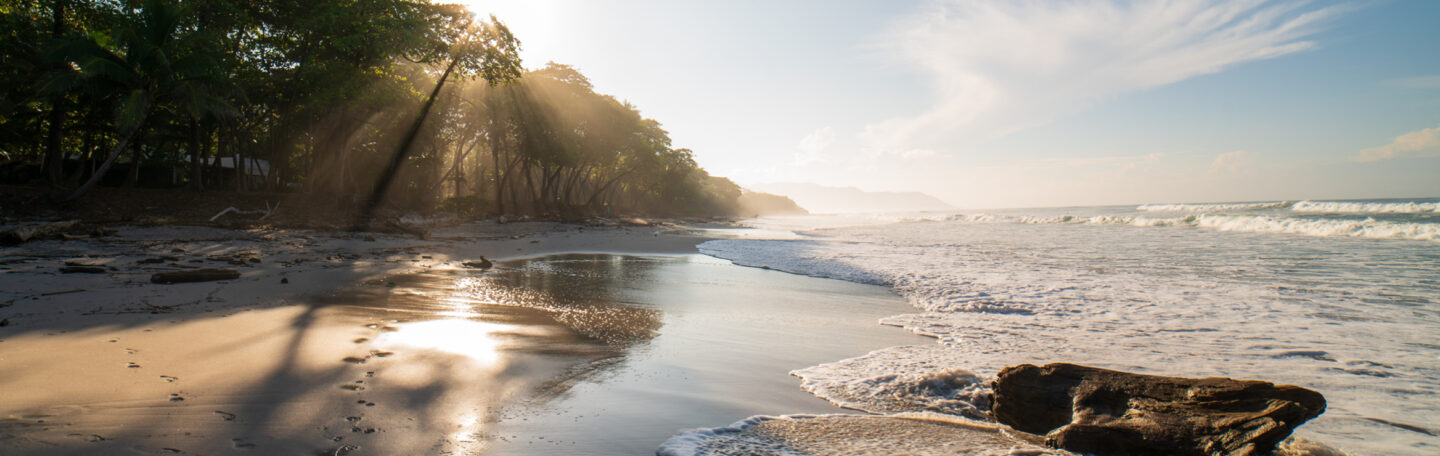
(156, 64)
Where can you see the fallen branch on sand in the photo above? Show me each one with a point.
(194, 275)
(20, 234)
(53, 293)
(263, 214)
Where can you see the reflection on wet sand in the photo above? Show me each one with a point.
(588, 354)
(405, 364)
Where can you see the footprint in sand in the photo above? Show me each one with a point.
(133, 366)
(381, 354)
(225, 415)
(362, 340)
(352, 387)
(169, 379)
(175, 397)
(365, 403)
(242, 444)
(354, 360)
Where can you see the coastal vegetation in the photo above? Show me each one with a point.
(355, 104)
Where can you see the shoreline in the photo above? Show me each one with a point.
(357, 350)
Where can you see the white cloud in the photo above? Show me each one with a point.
(1233, 162)
(1001, 66)
(1423, 143)
(812, 146)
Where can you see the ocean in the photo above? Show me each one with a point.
(1342, 297)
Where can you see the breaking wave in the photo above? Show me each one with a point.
(1212, 207)
(1360, 207)
(1368, 228)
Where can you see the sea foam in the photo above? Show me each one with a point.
(1212, 207)
(1407, 207)
(1342, 304)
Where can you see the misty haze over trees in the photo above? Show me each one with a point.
(317, 97)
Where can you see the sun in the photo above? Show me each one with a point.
(536, 23)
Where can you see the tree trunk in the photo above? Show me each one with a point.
(196, 170)
(495, 155)
(54, 163)
(109, 161)
(388, 175)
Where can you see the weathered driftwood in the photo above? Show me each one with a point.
(83, 269)
(157, 260)
(23, 233)
(263, 214)
(482, 264)
(1098, 411)
(194, 275)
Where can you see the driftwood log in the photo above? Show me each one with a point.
(1098, 411)
(23, 233)
(83, 269)
(194, 275)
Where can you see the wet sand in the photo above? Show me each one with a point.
(389, 346)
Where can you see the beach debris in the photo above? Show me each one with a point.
(263, 214)
(157, 259)
(482, 264)
(194, 275)
(1099, 411)
(237, 259)
(23, 233)
(83, 270)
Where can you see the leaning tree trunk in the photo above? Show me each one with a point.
(109, 161)
(378, 194)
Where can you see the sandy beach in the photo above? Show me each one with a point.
(580, 340)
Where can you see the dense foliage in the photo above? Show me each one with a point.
(326, 98)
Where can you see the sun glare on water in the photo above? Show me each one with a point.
(471, 339)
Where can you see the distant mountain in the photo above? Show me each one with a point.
(819, 199)
(755, 204)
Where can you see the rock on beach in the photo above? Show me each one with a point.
(1099, 411)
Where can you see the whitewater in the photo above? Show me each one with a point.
(1342, 297)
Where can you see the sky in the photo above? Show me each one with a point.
(1024, 103)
